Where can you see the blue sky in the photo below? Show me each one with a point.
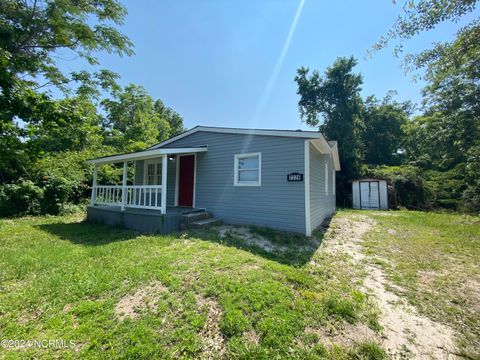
(212, 60)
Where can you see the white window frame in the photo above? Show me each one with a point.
(326, 177)
(237, 157)
(158, 165)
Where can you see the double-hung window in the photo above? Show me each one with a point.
(248, 169)
(153, 172)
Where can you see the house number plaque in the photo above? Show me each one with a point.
(295, 177)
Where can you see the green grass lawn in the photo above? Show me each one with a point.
(435, 258)
(120, 294)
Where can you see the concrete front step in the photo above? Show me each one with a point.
(204, 223)
(195, 216)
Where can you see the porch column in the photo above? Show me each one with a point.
(164, 184)
(124, 185)
(94, 185)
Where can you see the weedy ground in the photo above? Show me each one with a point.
(433, 261)
(226, 292)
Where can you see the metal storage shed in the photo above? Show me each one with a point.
(370, 194)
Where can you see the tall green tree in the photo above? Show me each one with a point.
(174, 119)
(418, 16)
(70, 124)
(451, 123)
(447, 136)
(332, 103)
(33, 31)
(134, 120)
(32, 35)
(383, 137)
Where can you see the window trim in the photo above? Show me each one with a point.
(236, 171)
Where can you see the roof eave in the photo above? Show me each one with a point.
(335, 156)
(144, 155)
(324, 147)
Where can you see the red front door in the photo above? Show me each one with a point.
(186, 179)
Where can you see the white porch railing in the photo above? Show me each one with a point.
(135, 196)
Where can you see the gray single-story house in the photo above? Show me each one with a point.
(280, 179)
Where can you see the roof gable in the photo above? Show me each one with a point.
(263, 132)
(315, 137)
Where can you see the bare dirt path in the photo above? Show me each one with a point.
(406, 333)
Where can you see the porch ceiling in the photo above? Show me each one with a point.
(147, 154)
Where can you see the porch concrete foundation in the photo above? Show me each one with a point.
(148, 221)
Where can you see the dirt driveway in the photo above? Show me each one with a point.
(406, 333)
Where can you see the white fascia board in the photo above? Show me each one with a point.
(321, 145)
(324, 147)
(336, 159)
(143, 155)
(306, 179)
(281, 133)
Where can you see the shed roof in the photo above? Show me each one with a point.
(369, 179)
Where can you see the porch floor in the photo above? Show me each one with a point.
(170, 210)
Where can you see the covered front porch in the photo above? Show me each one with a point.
(150, 189)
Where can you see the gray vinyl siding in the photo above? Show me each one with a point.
(276, 203)
(321, 205)
(139, 172)
(171, 173)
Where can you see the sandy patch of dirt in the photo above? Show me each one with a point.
(347, 336)
(471, 289)
(145, 298)
(251, 337)
(66, 309)
(391, 232)
(29, 316)
(249, 238)
(249, 266)
(386, 213)
(406, 332)
(213, 344)
(345, 234)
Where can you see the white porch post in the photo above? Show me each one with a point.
(124, 185)
(164, 184)
(94, 185)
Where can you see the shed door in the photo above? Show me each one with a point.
(369, 198)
